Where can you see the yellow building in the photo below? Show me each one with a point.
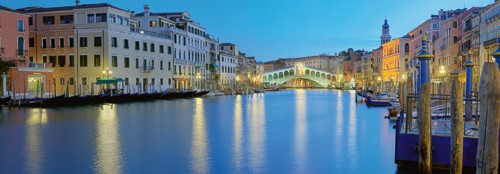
(395, 56)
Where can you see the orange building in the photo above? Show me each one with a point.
(395, 56)
(24, 77)
(52, 41)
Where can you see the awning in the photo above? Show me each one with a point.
(108, 81)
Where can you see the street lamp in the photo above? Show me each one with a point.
(198, 77)
(107, 72)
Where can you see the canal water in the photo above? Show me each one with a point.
(291, 131)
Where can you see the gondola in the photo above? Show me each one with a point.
(200, 93)
(4, 101)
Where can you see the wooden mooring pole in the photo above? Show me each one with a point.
(409, 106)
(457, 124)
(424, 119)
(489, 121)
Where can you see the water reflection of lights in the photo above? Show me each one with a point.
(108, 157)
(300, 143)
(257, 134)
(199, 144)
(352, 145)
(36, 118)
(237, 136)
(339, 127)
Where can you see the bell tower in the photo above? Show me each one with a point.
(385, 33)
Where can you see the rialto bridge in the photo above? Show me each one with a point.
(316, 77)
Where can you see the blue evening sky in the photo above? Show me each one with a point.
(270, 29)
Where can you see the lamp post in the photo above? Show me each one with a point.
(198, 77)
(106, 74)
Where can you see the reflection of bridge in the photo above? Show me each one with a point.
(299, 71)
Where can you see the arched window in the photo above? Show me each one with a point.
(407, 48)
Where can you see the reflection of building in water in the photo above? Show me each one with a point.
(352, 146)
(237, 136)
(257, 133)
(34, 157)
(108, 157)
(199, 144)
(300, 142)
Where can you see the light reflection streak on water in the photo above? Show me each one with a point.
(108, 157)
(257, 133)
(36, 119)
(237, 136)
(339, 128)
(352, 146)
(300, 144)
(199, 143)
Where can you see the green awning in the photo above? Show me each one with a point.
(108, 81)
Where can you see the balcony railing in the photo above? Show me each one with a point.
(22, 52)
(490, 42)
(150, 33)
(146, 69)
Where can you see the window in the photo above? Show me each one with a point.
(152, 81)
(114, 61)
(30, 21)
(136, 63)
(144, 46)
(161, 81)
(161, 65)
(61, 81)
(125, 43)
(52, 42)
(126, 62)
(137, 46)
(83, 41)
(114, 42)
(61, 42)
(455, 39)
(455, 24)
(152, 47)
(44, 59)
(112, 18)
(119, 20)
(48, 20)
(169, 66)
(71, 42)
(83, 60)
(66, 19)
(152, 24)
(90, 18)
(31, 59)
(126, 81)
(20, 26)
(71, 61)
(44, 42)
(169, 81)
(101, 17)
(52, 60)
(84, 81)
(184, 40)
(71, 81)
(161, 49)
(169, 50)
(153, 63)
(97, 41)
(97, 60)
(31, 42)
(61, 60)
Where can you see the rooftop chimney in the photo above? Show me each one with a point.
(146, 9)
(77, 2)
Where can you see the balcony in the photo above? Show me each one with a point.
(146, 69)
(22, 52)
(37, 67)
(490, 42)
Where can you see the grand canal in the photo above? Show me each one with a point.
(291, 131)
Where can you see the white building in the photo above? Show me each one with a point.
(226, 65)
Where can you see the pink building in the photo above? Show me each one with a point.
(14, 33)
